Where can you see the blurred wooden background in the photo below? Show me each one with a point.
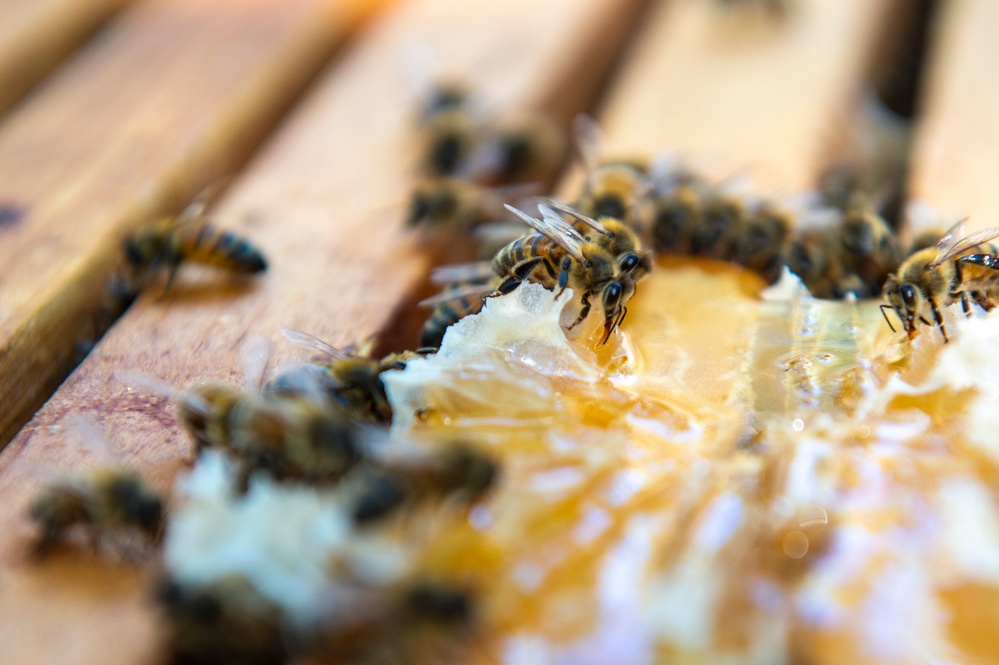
(116, 111)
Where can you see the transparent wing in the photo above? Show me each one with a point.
(970, 242)
(253, 355)
(304, 340)
(475, 271)
(554, 226)
(952, 235)
(468, 290)
(150, 384)
(575, 214)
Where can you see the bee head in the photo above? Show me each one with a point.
(905, 298)
(202, 407)
(636, 265)
(615, 295)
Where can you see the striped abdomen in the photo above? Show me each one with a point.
(447, 313)
(203, 243)
(525, 248)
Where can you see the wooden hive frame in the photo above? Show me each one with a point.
(96, 148)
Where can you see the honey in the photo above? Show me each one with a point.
(737, 476)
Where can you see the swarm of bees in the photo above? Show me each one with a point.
(311, 424)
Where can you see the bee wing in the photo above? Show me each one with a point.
(572, 212)
(589, 139)
(253, 355)
(145, 382)
(555, 228)
(456, 293)
(475, 271)
(304, 340)
(970, 242)
(952, 235)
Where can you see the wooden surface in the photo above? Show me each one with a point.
(325, 199)
(174, 95)
(956, 152)
(747, 97)
(35, 35)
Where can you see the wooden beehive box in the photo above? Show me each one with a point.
(114, 112)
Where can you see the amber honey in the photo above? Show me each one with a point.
(733, 478)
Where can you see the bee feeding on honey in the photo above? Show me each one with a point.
(957, 269)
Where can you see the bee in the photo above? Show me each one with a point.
(869, 249)
(761, 241)
(557, 255)
(291, 437)
(170, 241)
(451, 204)
(416, 620)
(676, 214)
(454, 303)
(354, 381)
(222, 621)
(105, 501)
(612, 188)
(522, 148)
(956, 269)
(457, 471)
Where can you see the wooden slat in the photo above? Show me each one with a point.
(35, 36)
(326, 201)
(766, 100)
(175, 95)
(956, 151)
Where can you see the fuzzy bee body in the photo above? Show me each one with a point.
(108, 501)
(957, 269)
(170, 241)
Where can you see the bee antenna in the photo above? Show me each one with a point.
(883, 307)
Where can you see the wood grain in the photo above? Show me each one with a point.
(174, 95)
(35, 36)
(956, 150)
(743, 95)
(325, 200)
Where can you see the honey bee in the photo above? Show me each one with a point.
(451, 204)
(612, 188)
(870, 249)
(458, 471)
(761, 241)
(454, 303)
(354, 381)
(416, 620)
(170, 241)
(105, 501)
(291, 437)
(223, 621)
(559, 256)
(956, 269)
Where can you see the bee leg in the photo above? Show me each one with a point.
(583, 312)
(939, 320)
(965, 304)
(563, 276)
(983, 301)
(519, 274)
